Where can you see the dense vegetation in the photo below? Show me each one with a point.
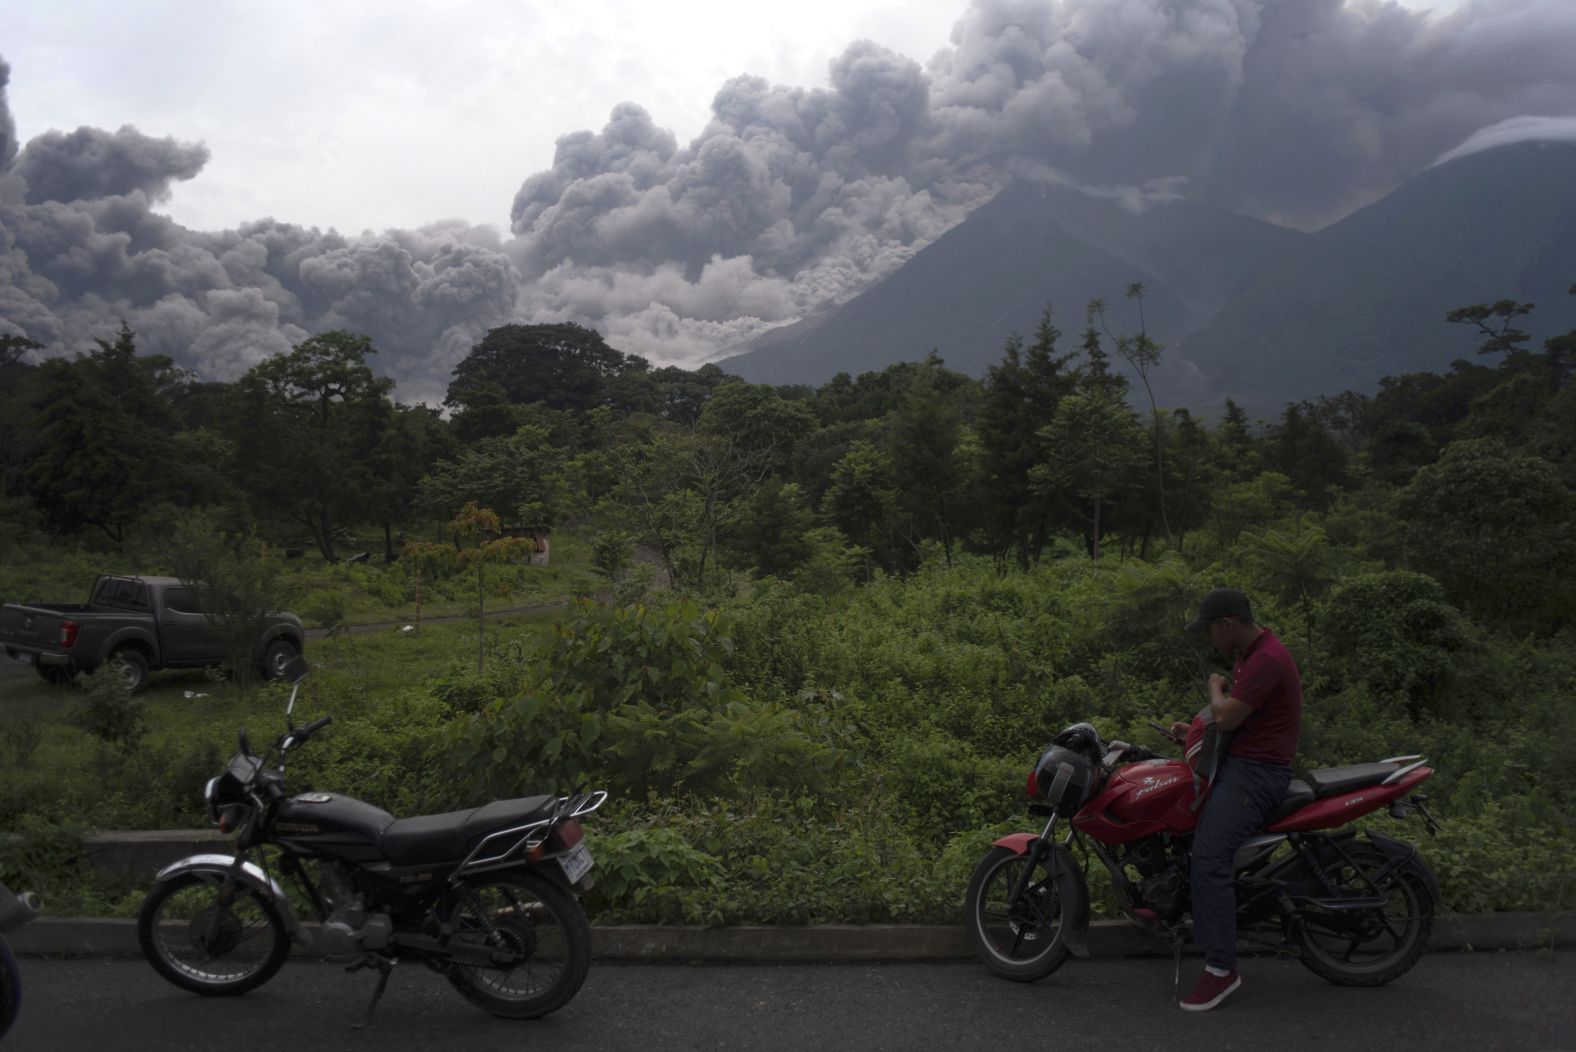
(829, 627)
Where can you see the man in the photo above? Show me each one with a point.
(1263, 707)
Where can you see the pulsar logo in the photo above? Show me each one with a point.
(1355, 800)
(1151, 784)
(296, 827)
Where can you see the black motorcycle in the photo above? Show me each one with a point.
(487, 897)
(15, 911)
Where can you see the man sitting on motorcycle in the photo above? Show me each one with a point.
(1261, 706)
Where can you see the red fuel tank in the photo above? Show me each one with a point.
(1140, 800)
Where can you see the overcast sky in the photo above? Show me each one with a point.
(370, 115)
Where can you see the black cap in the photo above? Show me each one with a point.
(1222, 602)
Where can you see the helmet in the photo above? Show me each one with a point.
(1066, 774)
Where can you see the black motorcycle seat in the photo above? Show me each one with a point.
(1298, 794)
(449, 837)
(1329, 781)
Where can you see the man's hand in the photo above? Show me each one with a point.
(1180, 729)
(1219, 687)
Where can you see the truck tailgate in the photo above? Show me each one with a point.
(32, 626)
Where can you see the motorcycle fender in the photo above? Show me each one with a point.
(1070, 886)
(252, 876)
(1400, 850)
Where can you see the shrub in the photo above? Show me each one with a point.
(109, 711)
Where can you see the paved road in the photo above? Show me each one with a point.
(1451, 1001)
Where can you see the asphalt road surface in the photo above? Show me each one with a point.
(1522, 1001)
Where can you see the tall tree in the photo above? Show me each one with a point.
(1021, 396)
(1495, 528)
(1093, 449)
(563, 366)
(307, 432)
(1142, 354)
(932, 476)
(98, 436)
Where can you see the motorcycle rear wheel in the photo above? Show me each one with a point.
(539, 936)
(1020, 941)
(1368, 947)
(210, 949)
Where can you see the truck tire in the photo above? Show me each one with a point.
(276, 656)
(132, 664)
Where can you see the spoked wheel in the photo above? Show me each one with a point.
(1368, 947)
(538, 938)
(1019, 939)
(207, 946)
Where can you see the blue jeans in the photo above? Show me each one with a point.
(1244, 793)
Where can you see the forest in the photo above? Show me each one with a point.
(811, 638)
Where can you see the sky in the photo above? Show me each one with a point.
(228, 179)
(374, 115)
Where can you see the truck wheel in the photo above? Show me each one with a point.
(133, 667)
(278, 655)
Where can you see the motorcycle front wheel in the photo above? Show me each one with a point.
(537, 934)
(1017, 939)
(10, 988)
(1368, 947)
(207, 946)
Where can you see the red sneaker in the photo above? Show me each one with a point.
(1210, 990)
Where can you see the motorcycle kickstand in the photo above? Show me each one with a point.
(1176, 970)
(385, 968)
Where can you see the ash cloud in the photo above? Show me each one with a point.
(82, 249)
(792, 199)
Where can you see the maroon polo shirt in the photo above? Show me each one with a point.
(1265, 678)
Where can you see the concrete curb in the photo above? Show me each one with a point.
(89, 937)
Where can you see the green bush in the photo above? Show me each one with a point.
(109, 711)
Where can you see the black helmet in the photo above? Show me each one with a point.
(1064, 777)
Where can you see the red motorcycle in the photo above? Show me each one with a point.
(1357, 910)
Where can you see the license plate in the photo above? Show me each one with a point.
(577, 863)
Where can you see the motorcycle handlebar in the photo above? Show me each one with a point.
(313, 727)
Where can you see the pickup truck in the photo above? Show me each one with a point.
(138, 624)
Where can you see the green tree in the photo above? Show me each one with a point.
(488, 546)
(861, 503)
(99, 437)
(522, 476)
(563, 366)
(773, 528)
(1142, 354)
(1394, 632)
(1495, 528)
(1298, 564)
(1302, 450)
(1093, 451)
(1021, 396)
(307, 433)
(929, 467)
(1496, 322)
